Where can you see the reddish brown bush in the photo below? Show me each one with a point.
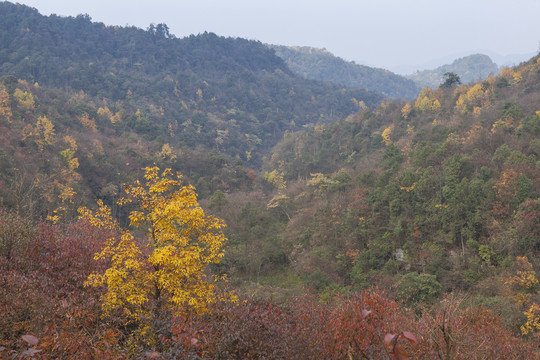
(48, 314)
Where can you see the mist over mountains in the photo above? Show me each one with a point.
(319, 64)
(500, 60)
(472, 68)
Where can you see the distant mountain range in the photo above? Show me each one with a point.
(500, 60)
(320, 64)
(204, 105)
(469, 68)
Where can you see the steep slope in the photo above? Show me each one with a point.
(231, 94)
(470, 68)
(434, 195)
(84, 107)
(319, 64)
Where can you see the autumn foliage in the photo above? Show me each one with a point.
(47, 312)
(409, 206)
(165, 271)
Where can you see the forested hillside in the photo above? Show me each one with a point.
(457, 166)
(320, 64)
(165, 198)
(230, 94)
(121, 98)
(423, 198)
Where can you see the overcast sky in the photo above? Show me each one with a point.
(382, 33)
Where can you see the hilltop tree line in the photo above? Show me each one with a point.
(228, 94)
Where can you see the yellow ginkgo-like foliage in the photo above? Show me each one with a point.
(427, 101)
(387, 133)
(474, 98)
(276, 178)
(108, 114)
(167, 153)
(43, 133)
(406, 110)
(5, 104)
(526, 285)
(88, 122)
(168, 266)
(24, 99)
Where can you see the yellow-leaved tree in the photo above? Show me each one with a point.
(165, 272)
(43, 133)
(526, 286)
(387, 133)
(5, 104)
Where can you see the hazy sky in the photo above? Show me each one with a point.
(382, 33)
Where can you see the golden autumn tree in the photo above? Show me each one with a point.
(406, 110)
(474, 98)
(88, 122)
(5, 104)
(276, 178)
(166, 271)
(24, 99)
(526, 286)
(427, 101)
(387, 133)
(66, 181)
(109, 115)
(43, 133)
(167, 153)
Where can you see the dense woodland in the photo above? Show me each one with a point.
(357, 227)
(232, 94)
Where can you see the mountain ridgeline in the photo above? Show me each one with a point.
(320, 64)
(202, 86)
(470, 68)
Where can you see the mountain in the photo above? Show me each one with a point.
(202, 86)
(509, 59)
(444, 185)
(500, 60)
(86, 106)
(470, 68)
(320, 64)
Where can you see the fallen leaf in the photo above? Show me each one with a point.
(388, 338)
(30, 339)
(410, 336)
(153, 355)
